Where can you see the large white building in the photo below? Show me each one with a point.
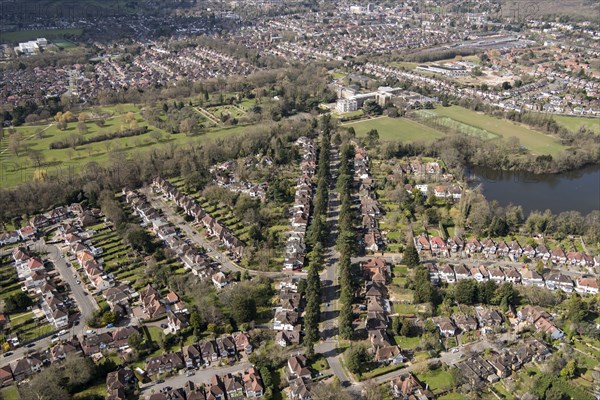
(31, 47)
(346, 105)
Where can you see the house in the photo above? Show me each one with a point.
(446, 273)
(461, 272)
(438, 246)
(445, 325)
(285, 320)
(512, 275)
(556, 280)
(242, 342)
(253, 385)
(192, 355)
(531, 314)
(300, 388)
(530, 277)
(455, 244)
(215, 389)
(9, 238)
(164, 363)
(296, 367)
(177, 321)
(6, 376)
(25, 367)
(287, 338)
(388, 354)
(226, 346)
(488, 317)
(542, 252)
(233, 386)
(409, 387)
(219, 280)
(379, 338)
(480, 273)
(27, 232)
(465, 322)
(209, 351)
(587, 285)
(544, 325)
(558, 256)
(121, 380)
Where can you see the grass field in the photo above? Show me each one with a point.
(396, 129)
(535, 141)
(22, 36)
(11, 393)
(20, 168)
(573, 123)
(438, 380)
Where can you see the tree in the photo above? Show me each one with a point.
(77, 371)
(405, 329)
(410, 256)
(345, 320)
(576, 309)
(140, 240)
(570, 370)
(396, 326)
(136, 342)
(109, 318)
(17, 302)
(465, 292)
(243, 308)
(356, 357)
(373, 137)
(14, 143)
(36, 156)
(82, 128)
(47, 385)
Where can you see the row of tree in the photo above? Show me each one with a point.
(346, 242)
(315, 237)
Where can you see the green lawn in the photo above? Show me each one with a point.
(438, 380)
(405, 342)
(11, 393)
(573, 123)
(535, 141)
(22, 36)
(453, 396)
(58, 162)
(98, 390)
(394, 129)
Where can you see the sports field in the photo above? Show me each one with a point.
(22, 36)
(396, 129)
(573, 123)
(536, 142)
(23, 167)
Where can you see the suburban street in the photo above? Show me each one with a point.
(201, 376)
(86, 303)
(194, 235)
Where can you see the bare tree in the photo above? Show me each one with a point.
(14, 143)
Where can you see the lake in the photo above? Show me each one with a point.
(574, 190)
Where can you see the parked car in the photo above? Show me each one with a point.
(8, 354)
(164, 326)
(191, 373)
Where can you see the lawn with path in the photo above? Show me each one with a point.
(396, 129)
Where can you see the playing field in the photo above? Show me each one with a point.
(22, 36)
(396, 129)
(536, 142)
(19, 168)
(573, 123)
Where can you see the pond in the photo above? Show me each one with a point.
(574, 190)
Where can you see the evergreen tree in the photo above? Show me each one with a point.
(411, 256)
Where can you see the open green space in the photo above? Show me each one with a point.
(535, 141)
(438, 380)
(22, 36)
(396, 129)
(405, 342)
(35, 159)
(11, 393)
(573, 123)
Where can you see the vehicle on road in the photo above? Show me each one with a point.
(191, 373)
(90, 332)
(160, 381)
(30, 345)
(455, 350)
(63, 332)
(78, 282)
(8, 354)
(74, 275)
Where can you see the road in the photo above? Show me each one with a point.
(328, 346)
(192, 233)
(86, 303)
(200, 377)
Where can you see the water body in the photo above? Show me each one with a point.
(574, 190)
